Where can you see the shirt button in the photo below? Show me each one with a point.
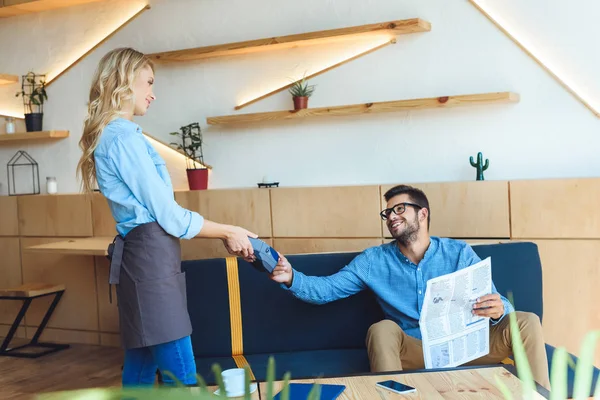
(418, 269)
(419, 292)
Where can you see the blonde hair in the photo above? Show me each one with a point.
(110, 92)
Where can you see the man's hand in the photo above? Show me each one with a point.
(489, 305)
(283, 272)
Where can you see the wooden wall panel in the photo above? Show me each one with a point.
(108, 313)
(20, 331)
(9, 217)
(10, 276)
(78, 308)
(200, 249)
(110, 339)
(555, 208)
(102, 220)
(340, 212)
(571, 271)
(55, 215)
(66, 336)
(474, 242)
(248, 208)
(477, 209)
(316, 245)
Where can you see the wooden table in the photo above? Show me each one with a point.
(91, 246)
(465, 383)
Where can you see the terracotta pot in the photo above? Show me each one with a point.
(300, 103)
(197, 178)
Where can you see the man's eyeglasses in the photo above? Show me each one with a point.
(397, 209)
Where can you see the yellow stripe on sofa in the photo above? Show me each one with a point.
(235, 306)
(508, 361)
(241, 362)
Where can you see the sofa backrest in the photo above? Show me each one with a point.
(208, 306)
(516, 268)
(275, 321)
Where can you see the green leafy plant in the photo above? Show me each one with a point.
(33, 90)
(191, 145)
(180, 391)
(301, 88)
(560, 364)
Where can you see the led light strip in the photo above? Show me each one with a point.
(577, 91)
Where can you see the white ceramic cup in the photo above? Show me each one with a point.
(233, 379)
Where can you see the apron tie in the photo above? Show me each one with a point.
(115, 255)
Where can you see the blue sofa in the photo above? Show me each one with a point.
(315, 340)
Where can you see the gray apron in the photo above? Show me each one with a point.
(151, 292)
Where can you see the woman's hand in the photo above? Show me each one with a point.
(236, 242)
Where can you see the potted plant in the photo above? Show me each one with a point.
(301, 91)
(33, 90)
(191, 146)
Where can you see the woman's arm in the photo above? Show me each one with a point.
(134, 166)
(234, 238)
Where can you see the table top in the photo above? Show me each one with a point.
(91, 246)
(465, 383)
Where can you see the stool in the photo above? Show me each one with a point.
(27, 293)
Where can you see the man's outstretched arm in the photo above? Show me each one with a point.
(323, 289)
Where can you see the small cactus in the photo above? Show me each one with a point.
(480, 165)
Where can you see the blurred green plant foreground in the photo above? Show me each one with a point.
(558, 378)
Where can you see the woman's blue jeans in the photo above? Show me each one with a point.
(174, 357)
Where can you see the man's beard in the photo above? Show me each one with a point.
(409, 234)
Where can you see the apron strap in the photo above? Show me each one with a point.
(115, 255)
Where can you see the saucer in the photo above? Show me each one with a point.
(253, 387)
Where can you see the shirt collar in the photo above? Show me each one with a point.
(128, 123)
(433, 245)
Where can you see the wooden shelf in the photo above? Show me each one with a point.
(390, 28)
(42, 135)
(160, 142)
(13, 8)
(93, 246)
(6, 79)
(371, 108)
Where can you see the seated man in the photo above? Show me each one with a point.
(397, 272)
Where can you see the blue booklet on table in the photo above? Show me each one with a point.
(300, 391)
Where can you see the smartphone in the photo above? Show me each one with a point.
(397, 387)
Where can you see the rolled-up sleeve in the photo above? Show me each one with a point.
(134, 166)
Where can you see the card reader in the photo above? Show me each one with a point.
(266, 256)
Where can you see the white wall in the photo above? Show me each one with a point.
(547, 134)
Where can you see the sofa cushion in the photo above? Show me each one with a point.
(274, 321)
(314, 363)
(208, 306)
(516, 268)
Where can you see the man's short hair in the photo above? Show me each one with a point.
(416, 196)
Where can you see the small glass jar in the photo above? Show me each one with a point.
(51, 185)
(10, 125)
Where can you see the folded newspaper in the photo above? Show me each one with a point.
(452, 335)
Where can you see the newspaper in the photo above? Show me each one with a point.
(451, 334)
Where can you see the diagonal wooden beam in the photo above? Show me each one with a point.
(347, 60)
(118, 28)
(560, 80)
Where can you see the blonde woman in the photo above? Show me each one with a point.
(145, 255)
